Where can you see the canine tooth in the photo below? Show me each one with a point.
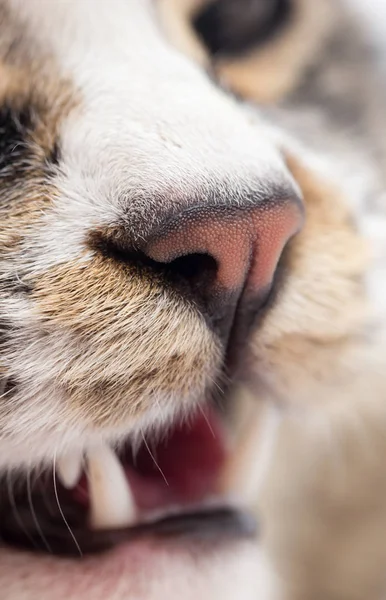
(111, 500)
(69, 468)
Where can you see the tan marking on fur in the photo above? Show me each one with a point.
(327, 262)
(322, 306)
(133, 340)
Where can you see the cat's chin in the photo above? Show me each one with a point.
(150, 568)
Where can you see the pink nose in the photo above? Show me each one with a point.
(224, 255)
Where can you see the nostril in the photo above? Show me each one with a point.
(193, 274)
(197, 271)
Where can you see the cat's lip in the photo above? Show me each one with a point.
(154, 566)
(207, 527)
(135, 561)
(100, 498)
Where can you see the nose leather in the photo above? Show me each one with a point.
(244, 242)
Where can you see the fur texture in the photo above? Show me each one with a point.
(324, 502)
(92, 347)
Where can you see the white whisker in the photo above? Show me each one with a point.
(207, 421)
(154, 460)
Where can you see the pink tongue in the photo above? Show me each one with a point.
(183, 469)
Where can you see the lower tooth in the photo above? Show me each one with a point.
(111, 501)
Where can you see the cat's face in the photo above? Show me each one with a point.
(160, 248)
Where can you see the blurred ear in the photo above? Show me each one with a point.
(258, 48)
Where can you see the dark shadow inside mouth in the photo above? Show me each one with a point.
(42, 531)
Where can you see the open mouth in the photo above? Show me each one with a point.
(91, 502)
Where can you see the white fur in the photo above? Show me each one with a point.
(243, 574)
(147, 122)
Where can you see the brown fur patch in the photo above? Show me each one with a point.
(30, 118)
(121, 357)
